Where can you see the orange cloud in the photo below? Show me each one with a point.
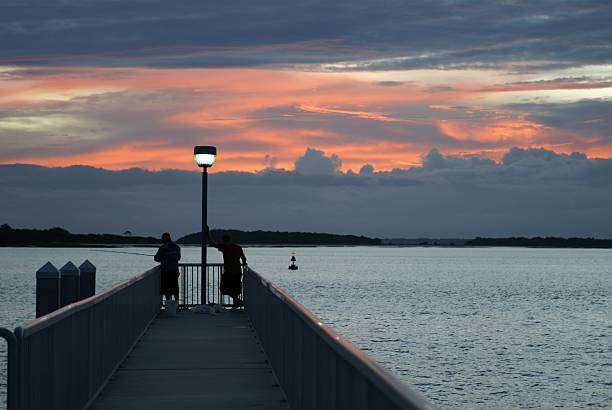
(376, 116)
(251, 113)
(506, 132)
(149, 156)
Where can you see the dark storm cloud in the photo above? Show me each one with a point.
(367, 34)
(528, 193)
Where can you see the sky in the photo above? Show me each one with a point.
(356, 95)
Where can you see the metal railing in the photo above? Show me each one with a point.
(11, 368)
(66, 358)
(189, 284)
(316, 367)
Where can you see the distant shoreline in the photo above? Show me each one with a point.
(61, 238)
(78, 245)
(255, 245)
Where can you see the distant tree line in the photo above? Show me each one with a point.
(60, 236)
(281, 238)
(540, 242)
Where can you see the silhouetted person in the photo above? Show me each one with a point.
(168, 256)
(231, 279)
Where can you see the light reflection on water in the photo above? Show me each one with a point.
(469, 328)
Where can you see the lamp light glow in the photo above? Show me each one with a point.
(205, 155)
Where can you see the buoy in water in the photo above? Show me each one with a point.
(293, 266)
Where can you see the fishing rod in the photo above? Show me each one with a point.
(129, 253)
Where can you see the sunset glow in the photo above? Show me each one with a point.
(459, 118)
(101, 116)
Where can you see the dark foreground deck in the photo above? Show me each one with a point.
(195, 361)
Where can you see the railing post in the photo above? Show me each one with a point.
(69, 287)
(87, 285)
(47, 289)
(19, 376)
(11, 374)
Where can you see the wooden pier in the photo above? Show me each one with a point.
(195, 361)
(117, 350)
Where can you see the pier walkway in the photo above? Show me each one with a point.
(117, 350)
(195, 361)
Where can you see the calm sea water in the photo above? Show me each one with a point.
(469, 328)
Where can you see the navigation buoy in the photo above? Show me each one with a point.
(293, 266)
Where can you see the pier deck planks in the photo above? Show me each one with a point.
(194, 361)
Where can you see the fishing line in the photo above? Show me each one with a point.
(129, 253)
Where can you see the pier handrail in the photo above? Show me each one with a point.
(58, 315)
(65, 358)
(317, 367)
(11, 381)
(190, 286)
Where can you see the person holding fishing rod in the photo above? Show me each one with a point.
(231, 279)
(168, 256)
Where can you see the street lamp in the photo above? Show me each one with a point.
(205, 157)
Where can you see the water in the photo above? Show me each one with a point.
(468, 328)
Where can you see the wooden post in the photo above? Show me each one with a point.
(69, 289)
(47, 289)
(87, 286)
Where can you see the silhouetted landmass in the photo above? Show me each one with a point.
(424, 242)
(538, 242)
(61, 237)
(281, 238)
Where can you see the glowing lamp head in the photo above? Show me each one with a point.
(205, 156)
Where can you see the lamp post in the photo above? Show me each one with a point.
(205, 157)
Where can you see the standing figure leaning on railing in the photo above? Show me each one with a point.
(231, 279)
(168, 256)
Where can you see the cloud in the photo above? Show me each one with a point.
(339, 35)
(376, 116)
(151, 118)
(270, 161)
(434, 160)
(367, 169)
(586, 123)
(100, 83)
(315, 162)
(527, 193)
(390, 83)
(539, 156)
